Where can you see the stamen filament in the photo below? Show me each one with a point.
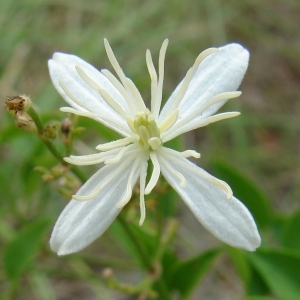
(154, 143)
(169, 135)
(189, 76)
(155, 174)
(116, 83)
(104, 119)
(128, 192)
(116, 144)
(132, 105)
(169, 121)
(158, 95)
(112, 103)
(180, 177)
(153, 76)
(197, 112)
(143, 176)
(187, 153)
(80, 112)
(108, 179)
(188, 166)
(222, 116)
(136, 94)
(67, 92)
(91, 159)
(117, 158)
(87, 79)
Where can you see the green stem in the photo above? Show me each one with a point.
(143, 256)
(147, 261)
(49, 144)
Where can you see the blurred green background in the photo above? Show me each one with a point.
(258, 153)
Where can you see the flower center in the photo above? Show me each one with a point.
(145, 127)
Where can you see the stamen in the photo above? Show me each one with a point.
(197, 112)
(222, 116)
(188, 166)
(143, 176)
(187, 153)
(158, 95)
(130, 123)
(136, 94)
(189, 76)
(116, 83)
(132, 105)
(108, 179)
(180, 177)
(154, 142)
(105, 95)
(112, 103)
(117, 158)
(91, 159)
(153, 76)
(155, 174)
(79, 112)
(107, 120)
(169, 121)
(116, 144)
(144, 135)
(128, 192)
(87, 79)
(167, 136)
(67, 92)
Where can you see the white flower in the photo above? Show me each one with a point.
(209, 83)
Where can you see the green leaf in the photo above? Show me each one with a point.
(241, 264)
(20, 251)
(186, 275)
(290, 236)
(280, 270)
(135, 240)
(246, 191)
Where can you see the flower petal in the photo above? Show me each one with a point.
(220, 72)
(62, 68)
(227, 219)
(81, 223)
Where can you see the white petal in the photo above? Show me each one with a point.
(220, 72)
(81, 223)
(228, 220)
(62, 68)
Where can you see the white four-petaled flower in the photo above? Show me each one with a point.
(208, 84)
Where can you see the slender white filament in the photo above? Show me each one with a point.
(136, 94)
(169, 121)
(197, 112)
(117, 171)
(143, 176)
(174, 153)
(132, 104)
(91, 159)
(118, 157)
(117, 144)
(178, 175)
(155, 174)
(68, 93)
(169, 135)
(106, 120)
(128, 192)
(189, 75)
(158, 97)
(112, 103)
(201, 173)
(153, 76)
